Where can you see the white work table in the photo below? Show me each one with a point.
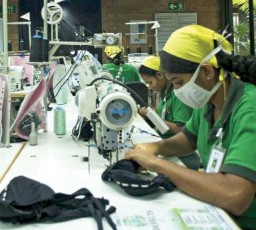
(57, 162)
(7, 155)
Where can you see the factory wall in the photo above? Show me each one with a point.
(115, 13)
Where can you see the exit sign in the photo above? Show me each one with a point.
(176, 6)
(11, 9)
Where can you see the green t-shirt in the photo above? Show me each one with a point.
(128, 73)
(170, 108)
(239, 137)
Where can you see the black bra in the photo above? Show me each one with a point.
(125, 174)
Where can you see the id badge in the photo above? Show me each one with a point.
(216, 159)
(163, 113)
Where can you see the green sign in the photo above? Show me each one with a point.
(10, 9)
(176, 6)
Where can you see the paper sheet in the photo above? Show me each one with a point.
(201, 218)
(178, 217)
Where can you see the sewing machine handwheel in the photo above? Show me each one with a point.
(54, 13)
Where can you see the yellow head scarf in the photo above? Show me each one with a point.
(112, 51)
(194, 43)
(152, 62)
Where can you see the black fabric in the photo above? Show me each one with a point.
(25, 200)
(50, 96)
(25, 124)
(141, 89)
(125, 174)
(84, 132)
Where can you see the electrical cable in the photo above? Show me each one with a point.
(144, 131)
(133, 93)
(77, 32)
(74, 65)
(64, 76)
(64, 83)
(78, 127)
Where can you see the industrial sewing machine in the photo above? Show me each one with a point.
(112, 107)
(108, 104)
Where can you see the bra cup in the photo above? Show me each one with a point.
(125, 174)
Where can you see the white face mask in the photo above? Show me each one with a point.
(192, 94)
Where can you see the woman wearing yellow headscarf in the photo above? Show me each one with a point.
(121, 71)
(205, 75)
(174, 112)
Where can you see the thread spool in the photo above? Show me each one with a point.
(45, 49)
(36, 49)
(59, 121)
(33, 134)
(62, 97)
(9, 45)
(21, 44)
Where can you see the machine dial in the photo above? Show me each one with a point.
(110, 40)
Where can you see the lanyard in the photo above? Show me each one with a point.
(219, 135)
(217, 155)
(164, 108)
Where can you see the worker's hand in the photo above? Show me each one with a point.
(143, 111)
(143, 154)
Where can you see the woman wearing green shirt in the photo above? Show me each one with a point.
(174, 112)
(205, 75)
(120, 71)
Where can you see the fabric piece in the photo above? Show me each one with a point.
(125, 174)
(25, 200)
(31, 103)
(5, 107)
(2, 90)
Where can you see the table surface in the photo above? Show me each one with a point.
(7, 154)
(58, 162)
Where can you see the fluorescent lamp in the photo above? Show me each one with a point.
(141, 23)
(57, 1)
(135, 34)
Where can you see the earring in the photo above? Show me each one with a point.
(208, 78)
